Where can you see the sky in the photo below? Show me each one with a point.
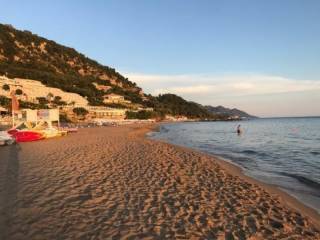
(260, 56)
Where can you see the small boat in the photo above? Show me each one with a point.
(48, 130)
(25, 135)
(52, 132)
(6, 139)
(27, 132)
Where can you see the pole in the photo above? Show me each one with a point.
(12, 118)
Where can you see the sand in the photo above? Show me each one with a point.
(113, 183)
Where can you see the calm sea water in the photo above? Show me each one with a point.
(280, 151)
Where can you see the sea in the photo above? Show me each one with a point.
(284, 152)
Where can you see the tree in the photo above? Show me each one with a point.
(80, 111)
(50, 96)
(19, 92)
(57, 98)
(31, 105)
(6, 87)
(177, 106)
(42, 100)
(64, 118)
(5, 102)
(57, 101)
(140, 114)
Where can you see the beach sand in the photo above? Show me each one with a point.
(113, 183)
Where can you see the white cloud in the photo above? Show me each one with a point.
(198, 89)
(227, 85)
(260, 94)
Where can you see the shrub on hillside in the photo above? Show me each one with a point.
(5, 102)
(31, 105)
(140, 114)
(42, 100)
(80, 111)
(19, 92)
(64, 118)
(6, 87)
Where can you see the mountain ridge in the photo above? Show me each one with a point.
(229, 112)
(29, 56)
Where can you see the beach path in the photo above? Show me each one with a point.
(112, 183)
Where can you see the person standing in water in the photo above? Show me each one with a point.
(239, 129)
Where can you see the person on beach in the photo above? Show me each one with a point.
(239, 129)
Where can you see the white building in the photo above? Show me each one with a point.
(114, 98)
(34, 89)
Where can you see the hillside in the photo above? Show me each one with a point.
(26, 55)
(177, 106)
(227, 112)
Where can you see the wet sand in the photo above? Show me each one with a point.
(113, 183)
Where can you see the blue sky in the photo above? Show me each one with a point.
(241, 47)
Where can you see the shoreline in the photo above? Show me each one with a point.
(113, 182)
(236, 170)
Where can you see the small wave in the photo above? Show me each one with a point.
(307, 181)
(245, 160)
(262, 154)
(206, 145)
(315, 153)
(252, 152)
(309, 192)
(249, 152)
(164, 130)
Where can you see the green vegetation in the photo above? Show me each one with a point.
(64, 118)
(177, 106)
(141, 115)
(50, 96)
(80, 111)
(26, 55)
(225, 113)
(19, 92)
(59, 66)
(31, 105)
(5, 102)
(42, 100)
(114, 105)
(6, 87)
(58, 102)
